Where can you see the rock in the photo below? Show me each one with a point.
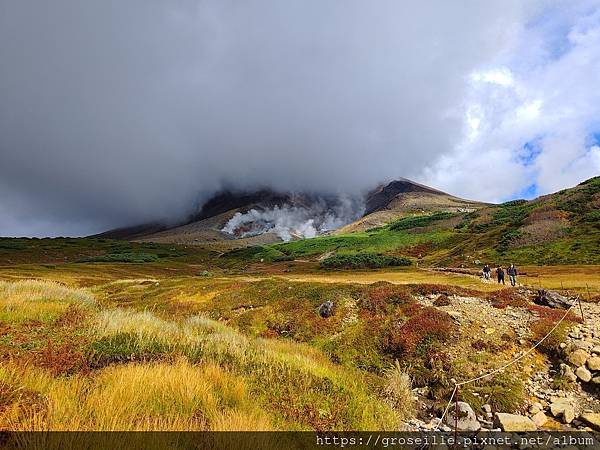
(593, 363)
(513, 423)
(568, 414)
(552, 299)
(467, 421)
(557, 408)
(486, 408)
(581, 345)
(578, 357)
(539, 419)
(583, 374)
(534, 409)
(596, 380)
(326, 309)
(596, 349)
(592, 419)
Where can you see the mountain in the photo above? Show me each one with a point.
(404, 197)
(241, 218)
(433, 228)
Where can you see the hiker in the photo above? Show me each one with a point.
(487, 270)
(512, 274)
(500, 275)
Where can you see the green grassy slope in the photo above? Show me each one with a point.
(561, 228)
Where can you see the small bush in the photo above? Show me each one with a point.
(382, 296)
(420, 331)
(548, 318)
(442, 300)
(407, 223)
(363, 261)
(123, 257)
(506, 297)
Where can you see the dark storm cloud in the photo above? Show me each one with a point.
(117, 112)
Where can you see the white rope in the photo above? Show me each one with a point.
(437, 427)
(510, 363)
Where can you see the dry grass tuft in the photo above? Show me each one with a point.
(398, 391)
(136, 397)
(45, 301)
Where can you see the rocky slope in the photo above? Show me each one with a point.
(561, 390)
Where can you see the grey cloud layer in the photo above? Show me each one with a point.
(115, 112)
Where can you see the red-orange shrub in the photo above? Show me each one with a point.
(426, 326)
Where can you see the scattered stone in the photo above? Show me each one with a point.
(539, 419)
(581, 345)
(326, 309)
(568, 414)
(592, 419)
(534, 409)
(513, 423)
(596, 349)
(567, 373)
(467, 421)
(578, 357)
(593, 363)
(583, 374)
(487, 408)
(596, 380)
(557, 408)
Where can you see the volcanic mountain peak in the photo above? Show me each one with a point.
(382, 196)
(265, 215)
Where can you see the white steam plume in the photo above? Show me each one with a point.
(290, 222)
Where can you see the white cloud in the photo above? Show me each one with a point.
(543, 90)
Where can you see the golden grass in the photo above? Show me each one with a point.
(401, 276)
(38, 300)
(271, 367)
(580, 280)
(138, 397)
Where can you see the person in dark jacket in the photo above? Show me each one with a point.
(487, 271)
(512, 274)
(500, 275)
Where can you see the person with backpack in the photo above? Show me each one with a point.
(512, 274)
(500, 275)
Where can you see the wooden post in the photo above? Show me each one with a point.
(456, 417)
(581, 309)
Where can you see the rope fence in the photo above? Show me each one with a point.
(499, 369)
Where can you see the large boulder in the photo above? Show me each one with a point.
(467, 420)
(592, 419)
(552, 299)
(326, 309)
(513, 423)
(578, 357)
